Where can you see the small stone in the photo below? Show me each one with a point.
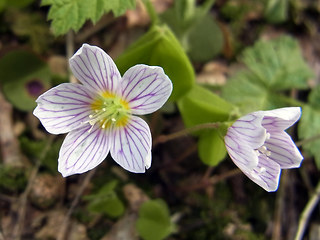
(46, 190)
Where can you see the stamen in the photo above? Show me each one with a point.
(89, 131)
(267, 136)
(263, 150)
(262, 170)
(107, 110)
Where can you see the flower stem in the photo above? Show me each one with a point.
(307, 213)
(186, 131)
(70, 52)
(308, 140)
(207, 5)
(152, 12)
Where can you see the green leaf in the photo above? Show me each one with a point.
(309, 124)
(185, 10)
(202, 106)
(205, 39)
(72, 14)
(14, 3)
(278, 64)
(30, 25)
(197, 30)
(154, 220)
(277, 11)
(211, 147)
(12, 178)
(106, 201)
(249, 95)
(159, 47)
(34, 149)
(272, 67)
(21, 87)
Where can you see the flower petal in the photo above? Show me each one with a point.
(146, 88)
(131, 147)
(281, 119)
(64, 108)
(266, 174)
(82, 150)
(95, 69)
(241, 153)
(283, 150)
(249, 130)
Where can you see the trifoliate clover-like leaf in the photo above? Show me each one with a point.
(72, 14)
(272, 67)
(310, 124)
(278, 64)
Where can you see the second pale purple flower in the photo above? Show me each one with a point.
(99, 114)
(259, 146)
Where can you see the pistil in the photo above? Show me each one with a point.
(108, 111)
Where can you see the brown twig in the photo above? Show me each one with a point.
(218, 178)
(9, 144)
(308, 140)
(213, 180)
(185, 132)
(105, 21)
(70, 52)
(24, 196)
(65, 223)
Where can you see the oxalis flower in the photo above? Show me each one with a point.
(259, 146)
(99, 113)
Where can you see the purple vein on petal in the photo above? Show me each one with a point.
(132, 132)
(133, 157)
(103, 143)
(144, 134)
(78, 70)
(146, 87)
(99, 81)
(97, 85)
(84, 150)
(119, 149)
(131, 79)
(152, 93)
(138, 82)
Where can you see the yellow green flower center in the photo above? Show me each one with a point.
(109, 109)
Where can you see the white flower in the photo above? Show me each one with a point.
(99, 112)
(259, 146)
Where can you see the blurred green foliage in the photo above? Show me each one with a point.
(34, 149)
(154, 220)
(197, 30)
(211, 147)
(29, 26)
(159, 47)
(23, 77)
(276, 11)
(72, 14)
(203, 106)
(12, 179)
(271, 70)
(5, 4)
(106, 201)
(271, 67)
(310, 124)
